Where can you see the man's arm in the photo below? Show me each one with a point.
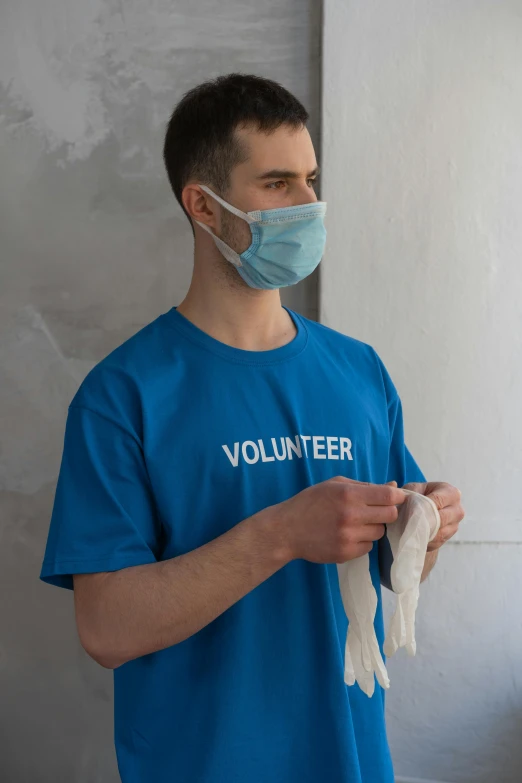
(429, 562)
(124, 614)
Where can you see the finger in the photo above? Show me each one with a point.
(448, 531)
(363, 548)
(443, 536)
(383, 495)
(417, 486)
(358, 550)
(346, 480)
(371, 494)
(451, 515)
(372, 532)
(443, 494)
(379, 515)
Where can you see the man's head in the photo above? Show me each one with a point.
(246, 138)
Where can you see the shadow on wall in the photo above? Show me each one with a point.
(504, 743)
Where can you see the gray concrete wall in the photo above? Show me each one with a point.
(93, 247)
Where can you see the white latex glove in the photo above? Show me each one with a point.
(363, 657)
(417, 524)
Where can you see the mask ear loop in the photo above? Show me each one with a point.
(227, 251)
(249, 217)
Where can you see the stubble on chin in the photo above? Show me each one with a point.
(236, 233)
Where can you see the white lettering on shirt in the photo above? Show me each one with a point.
(264, 458)
(286, 447)
(250, 460)
(296, 447)
(318, 446)
(330, 445)
(304, 438)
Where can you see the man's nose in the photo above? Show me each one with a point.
(304, 194)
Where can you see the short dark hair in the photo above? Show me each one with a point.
(199, 139)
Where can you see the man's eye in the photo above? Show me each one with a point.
(312, 181)
(275, 185)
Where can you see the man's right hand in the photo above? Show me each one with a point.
(338, 519)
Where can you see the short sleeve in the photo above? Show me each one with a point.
(402, 467)
(103, 516)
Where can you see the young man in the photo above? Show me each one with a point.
(216, 468)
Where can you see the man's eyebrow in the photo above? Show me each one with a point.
(285, 174)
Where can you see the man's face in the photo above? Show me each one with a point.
(280, 171)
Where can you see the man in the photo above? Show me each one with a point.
(216, 468)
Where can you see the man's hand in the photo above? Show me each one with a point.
(447, 499)
(337, 520)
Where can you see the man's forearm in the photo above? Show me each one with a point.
(145, 608)
(429, 562)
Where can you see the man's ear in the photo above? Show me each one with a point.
(200, 206)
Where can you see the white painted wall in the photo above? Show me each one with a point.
(422, 161)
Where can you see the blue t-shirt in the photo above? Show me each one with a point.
(170, 441)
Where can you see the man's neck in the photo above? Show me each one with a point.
(253, 321)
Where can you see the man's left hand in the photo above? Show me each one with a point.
(447, 499)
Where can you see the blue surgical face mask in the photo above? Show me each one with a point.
(287, 243)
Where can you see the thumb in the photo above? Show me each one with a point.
(392, 482)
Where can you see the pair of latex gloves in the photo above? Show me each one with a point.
(417, 524)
